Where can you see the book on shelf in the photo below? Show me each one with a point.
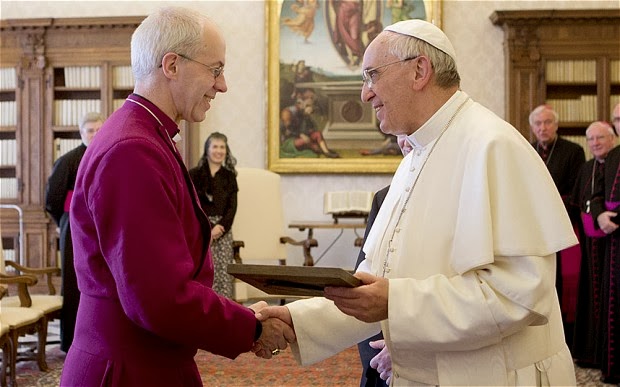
(8, 113)
(82, 77)
(67, 112)
(572, 71)
(8, 187)
(8, 152)
(8, 77)
(122, 77)
(615, 71)
(347, 202)
(64, 145)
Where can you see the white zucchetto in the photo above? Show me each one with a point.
(425, 31)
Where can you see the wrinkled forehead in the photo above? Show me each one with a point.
(544, 115)
(213, 41)
(378, 48)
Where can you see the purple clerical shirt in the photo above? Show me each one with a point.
(145, 278)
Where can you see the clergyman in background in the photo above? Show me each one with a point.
(58, 194)
(564, 159)
(604, 208)
(592, 316)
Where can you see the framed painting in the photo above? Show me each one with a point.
(317, 122)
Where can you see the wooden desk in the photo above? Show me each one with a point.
(310, 242)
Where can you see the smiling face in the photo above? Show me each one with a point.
(389, 93)
(600, 139)
(196, 84)
(216, 153)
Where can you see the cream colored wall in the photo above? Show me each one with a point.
(241, 112)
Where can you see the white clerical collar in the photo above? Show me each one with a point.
(436, 124)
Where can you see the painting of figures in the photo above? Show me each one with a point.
(317, 122)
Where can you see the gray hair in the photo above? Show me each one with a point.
(403, 47)
(90, 117)
(603, 125)
(539, 109)
(170, 29)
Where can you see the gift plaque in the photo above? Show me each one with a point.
(293, 280)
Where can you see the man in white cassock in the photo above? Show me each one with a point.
(460, 263)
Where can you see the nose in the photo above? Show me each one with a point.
(367, 93)
(220, 84)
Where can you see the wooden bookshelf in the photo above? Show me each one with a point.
(569, 59)
(52, 71)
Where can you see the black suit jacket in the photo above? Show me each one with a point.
(564, 164)
(370, 376)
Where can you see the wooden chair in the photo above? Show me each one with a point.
(5, 343)
(5, 347)
(27, 313)
(50, 304)
(17, 322)
(259, 227)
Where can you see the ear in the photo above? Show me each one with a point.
(170, 64)
(423, 72)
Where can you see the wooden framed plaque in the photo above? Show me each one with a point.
(293, 280)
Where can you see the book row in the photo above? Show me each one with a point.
(583, 109)
(82, 77)
(8, 149)
(9, 254)
(122, 77)
(8, 152)
(8, 187)
(8, 78)
(64, 145)
(579, 71)
(8, 113)
(67, 112)
(88, 77)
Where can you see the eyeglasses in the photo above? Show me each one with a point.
(371, 76)
(215, 70)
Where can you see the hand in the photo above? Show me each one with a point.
(217, 231)
(383, 361)
(258, 306)
(277, 330)
(368, 302)
(279, 312)
(605, 223)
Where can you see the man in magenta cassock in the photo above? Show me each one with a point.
(141, 240)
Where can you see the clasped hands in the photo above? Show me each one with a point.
(605, 223)
(368, 303)
(277, 332)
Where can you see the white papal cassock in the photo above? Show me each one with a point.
(467, 236)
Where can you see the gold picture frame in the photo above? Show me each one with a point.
(316, 121)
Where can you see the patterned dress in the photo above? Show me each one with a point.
(218, 198)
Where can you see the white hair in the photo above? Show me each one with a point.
(170, 29)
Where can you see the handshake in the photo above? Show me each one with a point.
(278, 332)
(278, 329)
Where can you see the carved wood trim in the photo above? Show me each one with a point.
(531, 37)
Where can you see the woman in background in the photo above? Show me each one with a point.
(216, 184)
